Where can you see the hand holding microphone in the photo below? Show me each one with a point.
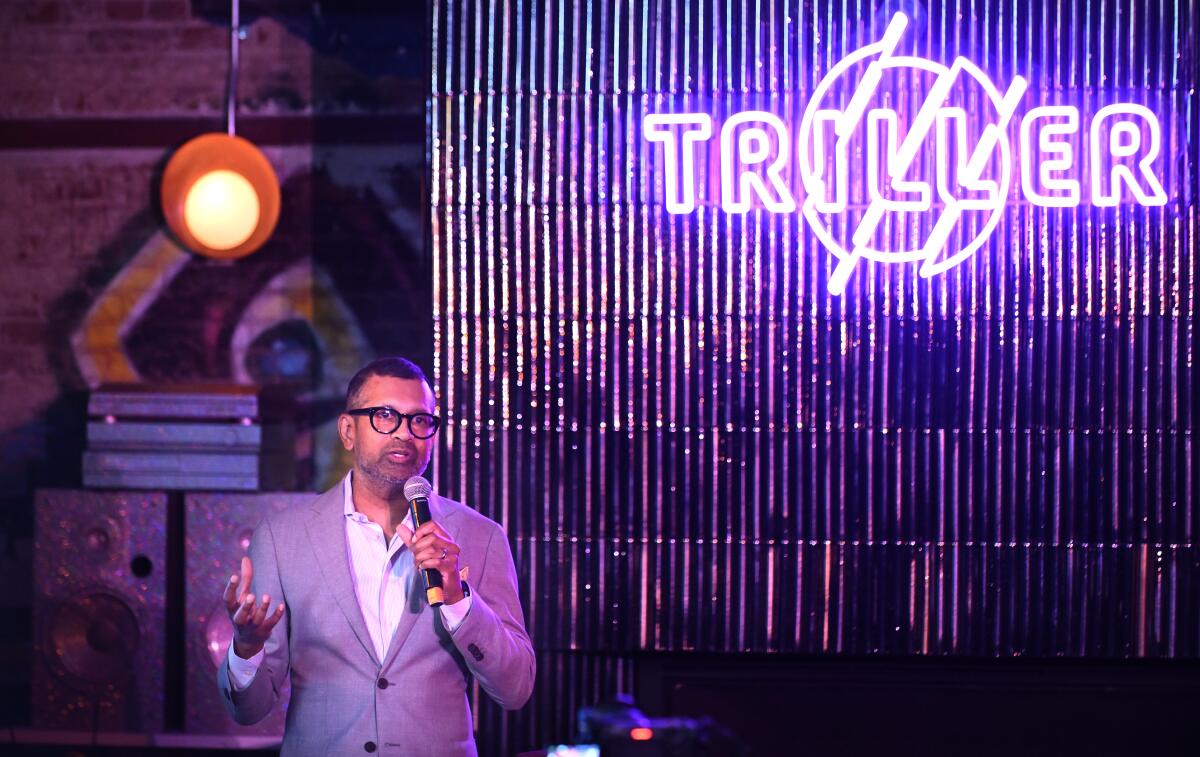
(434, 552)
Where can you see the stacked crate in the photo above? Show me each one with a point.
(197, 438)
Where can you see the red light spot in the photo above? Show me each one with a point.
(641, 734)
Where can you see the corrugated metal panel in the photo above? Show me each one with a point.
(693, 445)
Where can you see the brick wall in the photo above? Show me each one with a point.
(131, 59)
(93, 97)
(119, 60)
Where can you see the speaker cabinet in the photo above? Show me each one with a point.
(100, 589)
(218, 528)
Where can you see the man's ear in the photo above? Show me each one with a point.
(346, 431)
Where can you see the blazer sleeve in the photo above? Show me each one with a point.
(255, 702)
(492, 638)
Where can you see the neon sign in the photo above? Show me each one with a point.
(933, 194)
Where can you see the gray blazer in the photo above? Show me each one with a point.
(345, 700)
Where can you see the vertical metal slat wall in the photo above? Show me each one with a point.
(693, 446)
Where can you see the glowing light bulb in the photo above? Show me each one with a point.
(221, 209)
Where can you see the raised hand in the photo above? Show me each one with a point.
(252, 620)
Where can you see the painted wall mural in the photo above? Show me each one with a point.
(280, 317)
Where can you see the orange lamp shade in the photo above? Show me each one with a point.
(220, 196)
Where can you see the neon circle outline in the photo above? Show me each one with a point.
(808, 177)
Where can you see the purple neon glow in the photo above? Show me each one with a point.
(947, 141)
(998, 460)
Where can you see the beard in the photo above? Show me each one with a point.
(391, 474)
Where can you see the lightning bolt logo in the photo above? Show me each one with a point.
(936, 254)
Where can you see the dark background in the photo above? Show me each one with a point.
(910, 518)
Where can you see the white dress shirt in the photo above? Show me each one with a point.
(380, 572)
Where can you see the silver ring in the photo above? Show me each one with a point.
(443, 553)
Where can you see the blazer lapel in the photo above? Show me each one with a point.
(416, 604)
(327, 534)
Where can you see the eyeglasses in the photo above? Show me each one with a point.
(386, 420)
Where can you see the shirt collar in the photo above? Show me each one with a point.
(353, 514)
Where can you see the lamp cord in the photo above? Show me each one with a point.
(231, 89)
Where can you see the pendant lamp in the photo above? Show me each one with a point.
(220, 196)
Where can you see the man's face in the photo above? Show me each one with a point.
(388, 460)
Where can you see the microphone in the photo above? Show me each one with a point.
(417, 491)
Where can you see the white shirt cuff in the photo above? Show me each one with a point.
(242, 672)
(453, 615)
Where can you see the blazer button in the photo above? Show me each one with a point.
(474, 650)
(369, 746)
(382, 683)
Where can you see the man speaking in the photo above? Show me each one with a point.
(333, 595)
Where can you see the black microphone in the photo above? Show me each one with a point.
(417, 491)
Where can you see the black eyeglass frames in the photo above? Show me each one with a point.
(385, 420)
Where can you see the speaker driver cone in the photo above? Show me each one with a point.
(94, 639)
